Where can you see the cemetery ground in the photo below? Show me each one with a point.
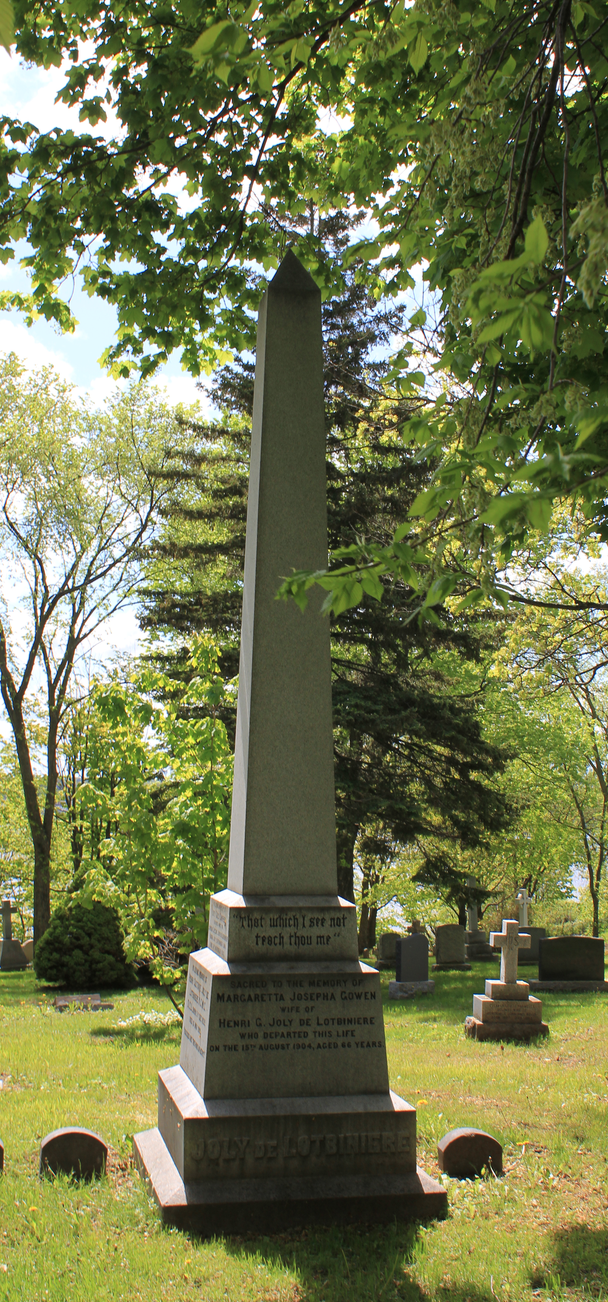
(540, 1231)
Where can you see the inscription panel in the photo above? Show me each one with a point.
(283, 1034)
(337, 1146)
(281, 929)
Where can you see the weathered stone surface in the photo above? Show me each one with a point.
(571, 958)
(507, 990)
(73, 1151)
(233, 1139)
(477, 946)
(277, 1203)
(528, 957)
(282, 836)
(477, 1030)
(28, 950)
(282, 927)
(449, 947)
(12, 958)
(466, 1152)
(278, 1032)
(412, 959)
(290, 1029)
(409, 989)
(486, 1009)
(386, 950)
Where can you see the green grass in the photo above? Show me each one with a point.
(540, 1232)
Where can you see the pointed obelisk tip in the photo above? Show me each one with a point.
(292, 277)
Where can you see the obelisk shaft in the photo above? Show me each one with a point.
(282, 838)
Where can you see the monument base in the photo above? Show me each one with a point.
(12, 958)
(268, 1206)
(570, 987)
(477, 1030)
(409, 989)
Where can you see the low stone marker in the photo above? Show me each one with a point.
(28, 950)
(412, 969)
(466, 1152)
(1, 1156)
(73, 1151)
(506, 1011)
(449, 949)
(12, 958)
(387, 950)
(94, 1002)
(571, 963)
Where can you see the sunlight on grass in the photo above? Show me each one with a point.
(540, 1232)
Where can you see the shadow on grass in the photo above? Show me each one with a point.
(139, 1033)
(581, 1259)
(350, 1264)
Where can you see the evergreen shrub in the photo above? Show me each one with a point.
(82, 948)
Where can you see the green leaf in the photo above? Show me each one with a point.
(265, 79)
(401, 531)
(209, 40)
(371, 584)
(7, 24)
(439, 590)
(537, 240)
(472, 599)
(500, 325)
(417, 52)
(539, 512)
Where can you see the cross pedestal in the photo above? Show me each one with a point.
(280, 1111)
(506, 1010)
(12, 957)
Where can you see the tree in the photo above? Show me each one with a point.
(79, 492)
(406, 743)
(151, 817)
(557, 663)
(473, 133)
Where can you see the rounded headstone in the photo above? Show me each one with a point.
(73, 1151)
(465, 1152)
(1, 1156)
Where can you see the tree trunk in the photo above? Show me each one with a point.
(345, 841)
(42, 891)
(364, 928)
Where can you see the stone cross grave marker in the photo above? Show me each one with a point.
(11, 953)
(524, 900)
(509, 941)
(280, 1111)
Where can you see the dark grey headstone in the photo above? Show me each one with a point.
(73, 1151)
(465, 1152)
(12, 958)
(412, 959)
(1, 1156)
(571, 958)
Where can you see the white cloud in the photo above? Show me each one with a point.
(15, 338)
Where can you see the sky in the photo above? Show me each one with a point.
(29, 93)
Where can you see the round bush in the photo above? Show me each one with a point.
(83, 949)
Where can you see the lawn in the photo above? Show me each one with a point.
(540, 1232)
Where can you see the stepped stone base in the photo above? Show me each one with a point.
(233, 1165)
(570, 987)
(477, 1030)
(266, 1206)
(12, 958)
(409, 989)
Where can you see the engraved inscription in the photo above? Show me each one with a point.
(235, 1148)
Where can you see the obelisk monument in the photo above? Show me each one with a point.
(280, 1111)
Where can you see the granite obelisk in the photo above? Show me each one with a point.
(280, 1111)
